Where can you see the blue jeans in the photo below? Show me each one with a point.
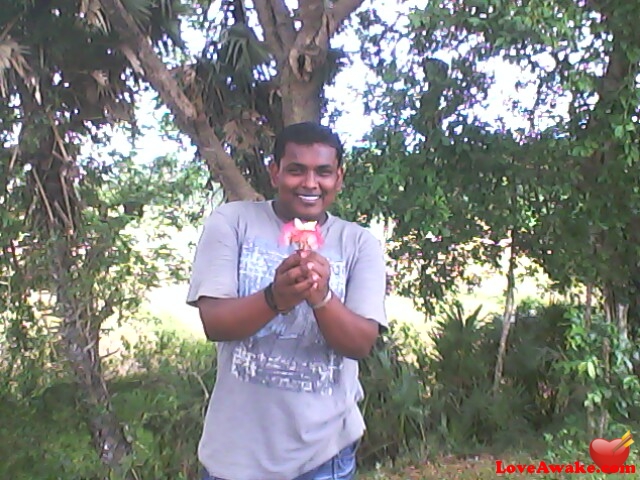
(340, 467)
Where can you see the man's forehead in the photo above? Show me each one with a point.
(317, 153)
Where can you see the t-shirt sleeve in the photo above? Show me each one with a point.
(366, 283)
(215, 265)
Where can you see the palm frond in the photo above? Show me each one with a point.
(12, 58)
(243, 49)
(92, 12)
(140, 10)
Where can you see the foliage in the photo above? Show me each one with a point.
(394, 406)
(598, 360)
(559, 170)
(236, 81)
(420, 402)
(464, 410)
(536, 346)
(558, 175)
(552, 376)
(161, 403)
(571, 444)
(61, 210)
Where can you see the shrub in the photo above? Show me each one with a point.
(161, 407)
(395, 407)
(465, 412)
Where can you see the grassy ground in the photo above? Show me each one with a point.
(476, 468)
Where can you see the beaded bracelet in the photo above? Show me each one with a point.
(324, 301)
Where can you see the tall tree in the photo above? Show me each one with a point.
(576, 181)
(298, 43)
(60, 234)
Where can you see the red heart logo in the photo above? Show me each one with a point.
(602, 454)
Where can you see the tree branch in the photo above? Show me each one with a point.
(277, 25)
(139, 51)
(312, 42)
(267, 20)
(340, 11)
(284, 21)
(311, 13)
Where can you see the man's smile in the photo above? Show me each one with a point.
(309, 199)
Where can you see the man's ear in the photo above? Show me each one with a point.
(340, 178)
(274, 171)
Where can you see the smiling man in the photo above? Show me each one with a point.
(290, 326)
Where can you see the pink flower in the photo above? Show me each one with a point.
(306, 235)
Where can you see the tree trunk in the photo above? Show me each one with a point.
(509, 315)
(614, 80)
(55, 216)
(144, 60)
(609, 313)
(300, 99)
(81, 342)
(301, 55)
(588, 306)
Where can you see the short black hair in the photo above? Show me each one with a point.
(306, 133)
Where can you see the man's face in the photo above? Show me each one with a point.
(307, 180)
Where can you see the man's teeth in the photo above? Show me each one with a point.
(309, 198)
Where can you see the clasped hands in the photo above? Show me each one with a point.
(303, 276)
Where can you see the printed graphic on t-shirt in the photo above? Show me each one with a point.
(290, 351)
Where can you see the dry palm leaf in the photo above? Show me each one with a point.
(12, 58)
(92, 11)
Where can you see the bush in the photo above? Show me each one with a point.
(465, 411)
(536, 343)
(440, 397)
(395, 407)
(161, 407)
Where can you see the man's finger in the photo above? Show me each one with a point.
(317, 259)
(288, 263)
(292, 275)
(302, 286)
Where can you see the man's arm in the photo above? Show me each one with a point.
(351, 328)
(228, 319)
(348, 333)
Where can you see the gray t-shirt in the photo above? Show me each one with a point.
(284, 402)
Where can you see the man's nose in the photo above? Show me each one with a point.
(310, 180)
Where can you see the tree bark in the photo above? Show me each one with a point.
(301, 55)
(508, 317)
(300, 99)
(588, 306)
(81, 342)
(144, 60)
(618, 76)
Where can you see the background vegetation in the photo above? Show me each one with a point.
(512, 231)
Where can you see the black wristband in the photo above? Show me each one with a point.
(270, 299)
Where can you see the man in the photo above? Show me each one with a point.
(290, 325)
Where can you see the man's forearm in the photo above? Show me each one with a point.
(346, 332)
(228, 319)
